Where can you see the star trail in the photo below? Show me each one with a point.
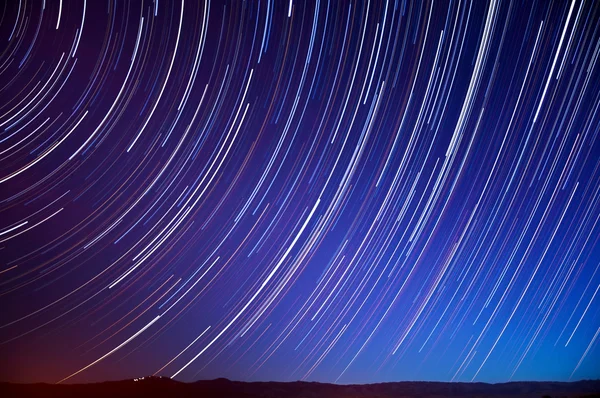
(339, 191)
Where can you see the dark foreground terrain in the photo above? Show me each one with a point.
(164, 387)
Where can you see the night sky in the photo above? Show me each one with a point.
(339, 191)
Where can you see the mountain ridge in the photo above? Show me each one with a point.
(221, 387)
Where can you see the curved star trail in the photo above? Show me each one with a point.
(340, 191)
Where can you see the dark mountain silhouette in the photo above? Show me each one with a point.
(165, 387)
